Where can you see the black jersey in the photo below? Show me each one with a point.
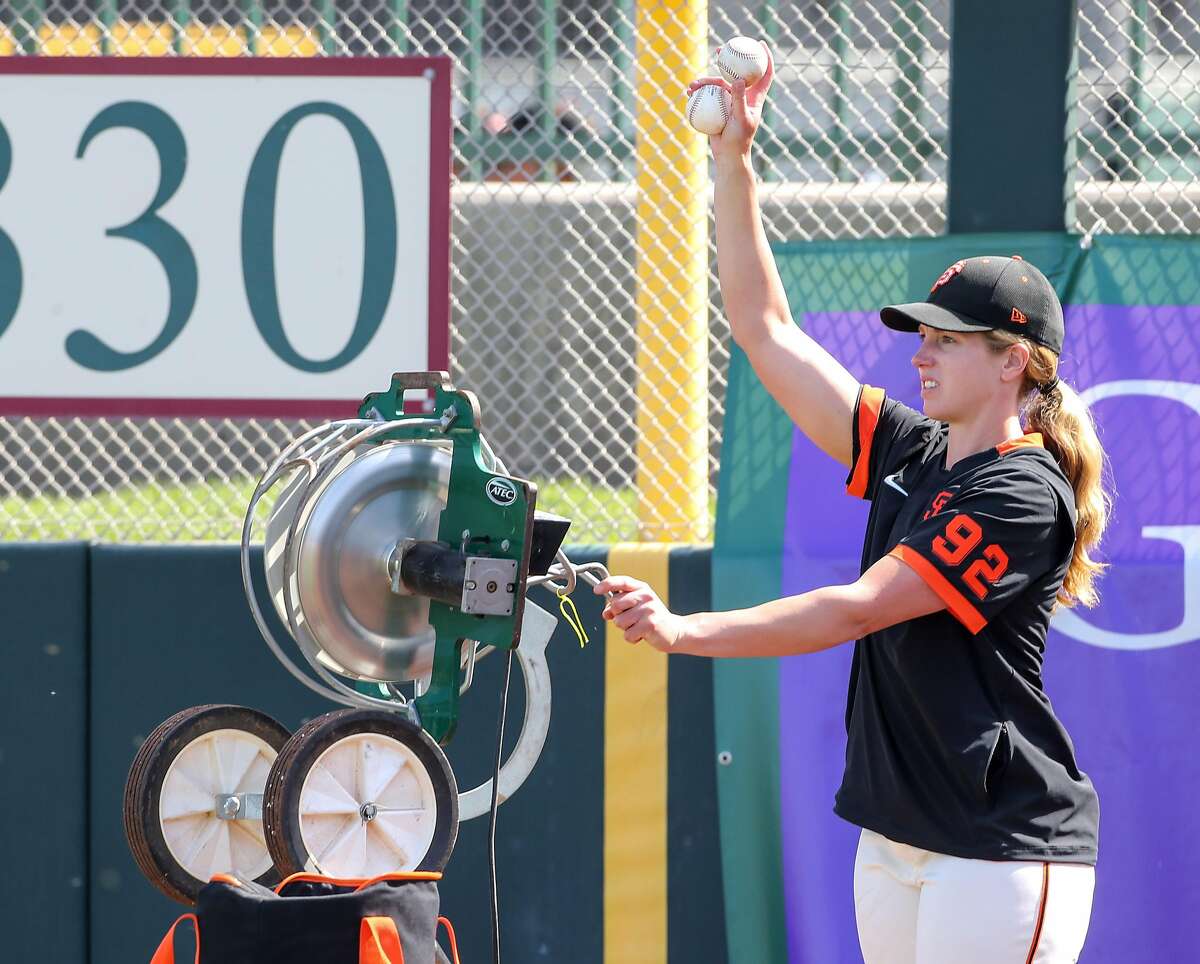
(952, 743)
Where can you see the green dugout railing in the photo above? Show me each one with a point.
(902, 145)
(1145, 138)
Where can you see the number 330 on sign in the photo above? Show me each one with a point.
(192, 230)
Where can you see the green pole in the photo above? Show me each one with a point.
(841, 21)
(1073, 134)
(252, 18)
(1137, 41)
(549, 122)
(1013, 178)
(399, 28)
(1126, 161)
(328, 14)
(622, 89)
(108, 19)
(908, 89)
(182, 16)
(769, 18)
(35, 15)
(474, 69)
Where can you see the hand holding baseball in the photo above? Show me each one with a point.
(745, 100)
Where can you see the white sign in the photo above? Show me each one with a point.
(238, 234)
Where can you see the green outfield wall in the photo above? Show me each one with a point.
(102, 642)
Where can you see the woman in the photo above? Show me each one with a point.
(979, 829)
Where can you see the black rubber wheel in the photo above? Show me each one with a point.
(171, 822)
(360, 793)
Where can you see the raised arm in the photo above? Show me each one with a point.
(809, 383)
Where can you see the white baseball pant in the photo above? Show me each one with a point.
(914, 906)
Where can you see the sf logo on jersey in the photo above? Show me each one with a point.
(939, 502)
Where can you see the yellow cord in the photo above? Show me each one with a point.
(572, 617)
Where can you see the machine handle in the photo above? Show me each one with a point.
(436, 382)
(536, 630)
(418, 380)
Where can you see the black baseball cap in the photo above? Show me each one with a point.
(979, 294)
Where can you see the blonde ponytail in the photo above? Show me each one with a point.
(1054, 409)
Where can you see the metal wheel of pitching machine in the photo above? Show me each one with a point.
(398, 553)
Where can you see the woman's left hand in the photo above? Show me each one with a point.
(636, 609)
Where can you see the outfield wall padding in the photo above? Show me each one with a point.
(139, 632)
(43, 752)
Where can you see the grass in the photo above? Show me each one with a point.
(212, 511)
(199, 511)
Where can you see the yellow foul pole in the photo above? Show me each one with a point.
(672, 276)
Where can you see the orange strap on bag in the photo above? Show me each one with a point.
(379, 942)
(453, 943)
(396, 878)
(357, 883)
(166, 950)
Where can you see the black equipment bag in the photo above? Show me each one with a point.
(316, 920)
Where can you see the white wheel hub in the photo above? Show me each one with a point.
(211, 767)
(367, 807)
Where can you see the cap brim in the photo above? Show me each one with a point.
(910, 317)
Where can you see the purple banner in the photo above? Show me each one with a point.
(1124, 677)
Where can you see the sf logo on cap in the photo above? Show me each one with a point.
(947, 275)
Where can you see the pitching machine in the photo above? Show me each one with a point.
(397, 553)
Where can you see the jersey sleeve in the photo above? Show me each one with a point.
(988, 542)
(885, 434)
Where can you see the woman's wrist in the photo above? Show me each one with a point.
(731, 166)
(684, 628)
(690, 641)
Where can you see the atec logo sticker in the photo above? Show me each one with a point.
(501, 491)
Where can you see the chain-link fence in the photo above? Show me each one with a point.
(543, 227)
(1135, 120)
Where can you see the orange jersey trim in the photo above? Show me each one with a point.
(1033, 440)
(869, 405)
(958, 604)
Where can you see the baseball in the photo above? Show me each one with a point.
(709, 108)
(742, 58)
